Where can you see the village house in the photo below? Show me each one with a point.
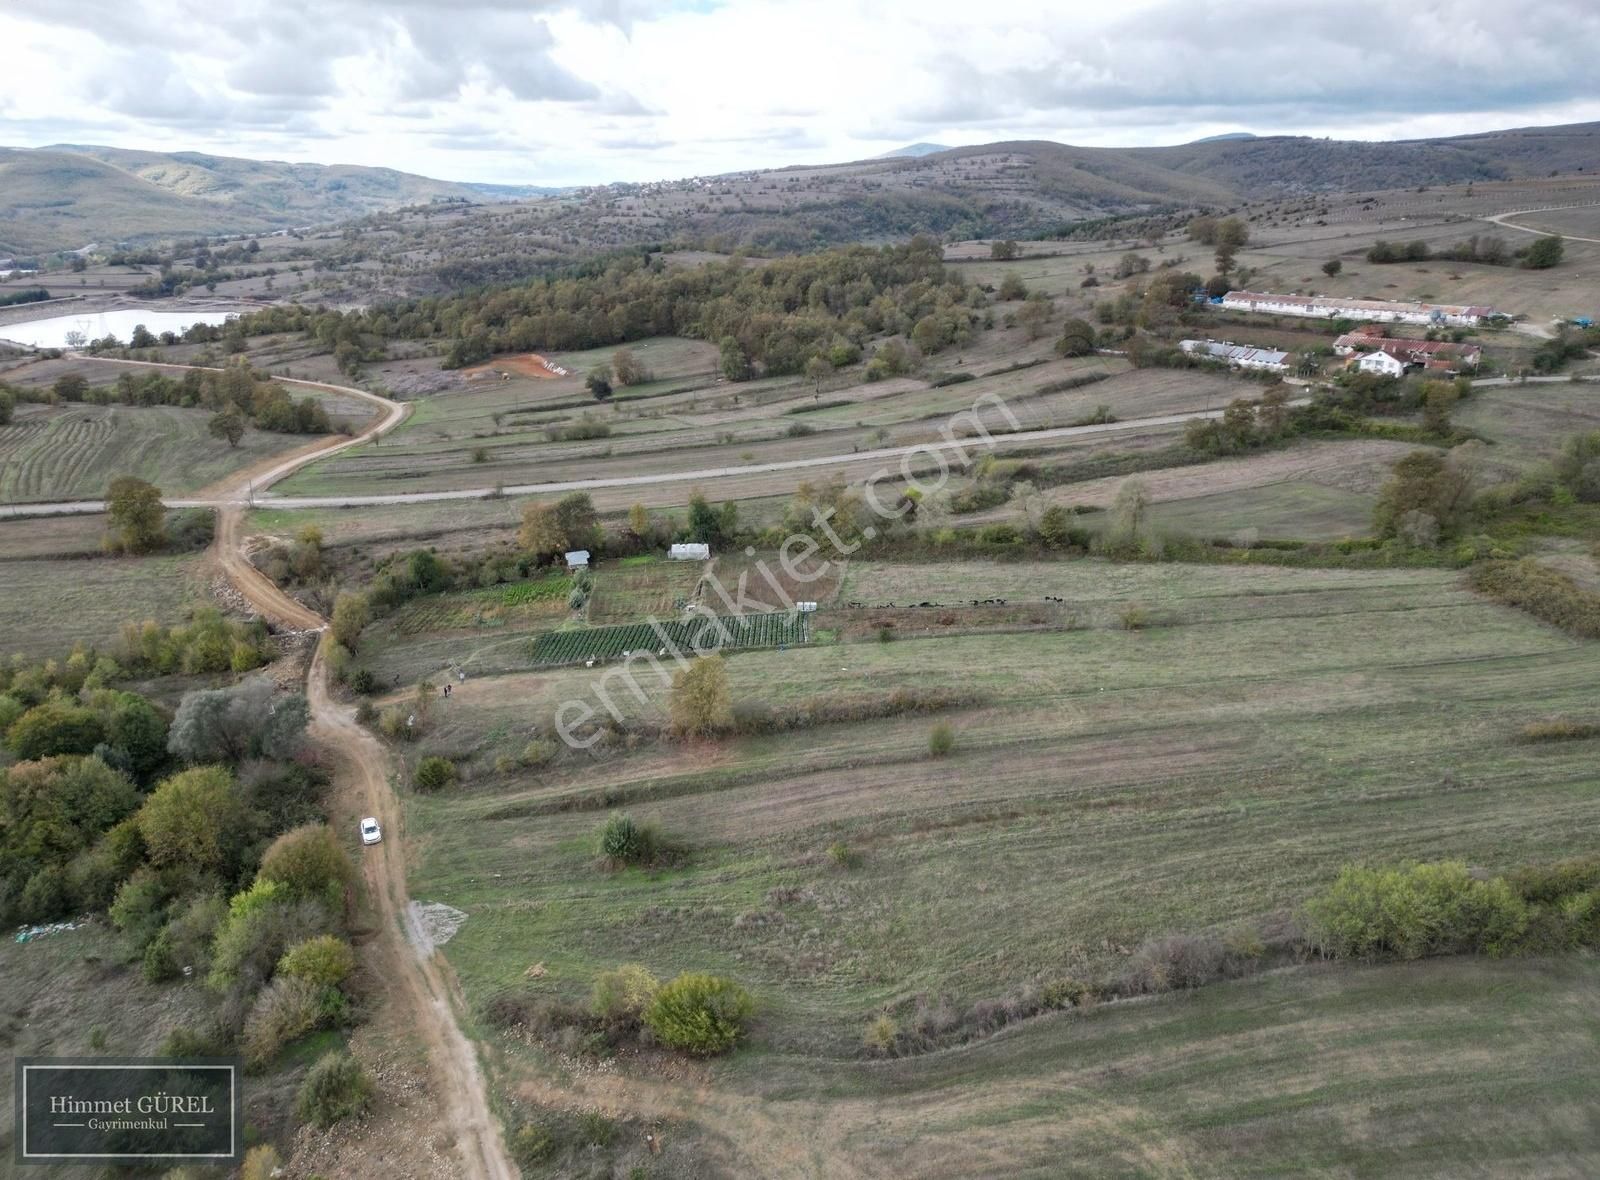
(1440, 355)
(1239, 356)
(1381, 363)
(689, 551)
(1338, 307)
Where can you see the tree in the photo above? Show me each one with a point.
(1273, 416)
(701, 703)
(1004, 251)
(228, 424)
(249, 720)
(136, 514)
(1055, 526)
(1128, 511)
(1332, 267)
(349, 618)
(192, 820)
(579, 524)
(735, 361)
(700, 1014)
(639, 521)
(53, 728)
(541, 533)
(1578, 466)
(142, 337)
(1544, 253)
(598, 383)
(704, 524)
(1426, 482)
(325, 961)
(1012, 287)
(818, 369)
(309, 862)
(627, 369)
(8, 405)
(1035, 315)
(1077, 338)
(70, 387)
(1438, 399)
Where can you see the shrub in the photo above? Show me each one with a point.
(363, 681)
(538, 752)
(309, 862)
(325, 961)
(286, 1009)
(1133, 617)
(1551, 883)
(435, 773)
(625, 842)
(1065, 993)
(619, 998)
(1558, 729)
(881, 1033)
(842, 855)
(1542, 592)
(260, 1163)
(1417, 910)
(1176, 963)
(336, 1088)
(699, 1014)
(941, 739)
(531, 1144)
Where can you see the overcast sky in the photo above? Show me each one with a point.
(529, 91)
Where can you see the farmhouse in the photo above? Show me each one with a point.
(1431, 354)
(689, 551)
(578, 559)
(1382, 363)
(1338, 307)
(1239, 356)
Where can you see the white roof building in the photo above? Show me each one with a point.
(1340, 307)
(689, 551)
(1239, 356)
(1382, 363)
(578, 559)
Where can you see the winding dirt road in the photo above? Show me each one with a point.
(417, 980)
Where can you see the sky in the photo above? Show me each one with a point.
(593, 91)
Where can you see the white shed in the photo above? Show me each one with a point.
(689, 551)
(578, 559)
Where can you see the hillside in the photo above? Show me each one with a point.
(66, 195)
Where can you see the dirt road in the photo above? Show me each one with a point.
(1500, 219)
(417, 979)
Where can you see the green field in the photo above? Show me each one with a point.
(47, 605)
(73, 452)
(1107, 787)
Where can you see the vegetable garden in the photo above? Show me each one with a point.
(699, 632)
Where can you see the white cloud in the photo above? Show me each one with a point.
(569, 91)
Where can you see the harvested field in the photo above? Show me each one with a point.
(50, 604)
(522, 364)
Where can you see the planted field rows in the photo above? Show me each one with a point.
(700, 633)
(496, 606)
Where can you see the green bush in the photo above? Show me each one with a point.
(625, 842)
(336, 1088)
(699, 1014)
(1414, 911)
(286, 1009)
(619, 997)
(941, 739)
(435, 773)
(325, 961)
(531, 1144)
(1542, 592)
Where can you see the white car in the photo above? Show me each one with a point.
(370, 832)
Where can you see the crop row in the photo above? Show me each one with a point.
(698, 633)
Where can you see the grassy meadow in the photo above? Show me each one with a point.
(1214, 766)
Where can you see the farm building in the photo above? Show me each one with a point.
(1239, 356)
(1382, 363)
(1433, 354)
(578, 559)
(689, 551)
(1336, 307)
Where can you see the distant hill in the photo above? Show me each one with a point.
(517, 192)
(62, 197)
(1224, 136)
(59, 197)
(912, 150)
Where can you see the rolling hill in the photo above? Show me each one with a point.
(62, 196)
